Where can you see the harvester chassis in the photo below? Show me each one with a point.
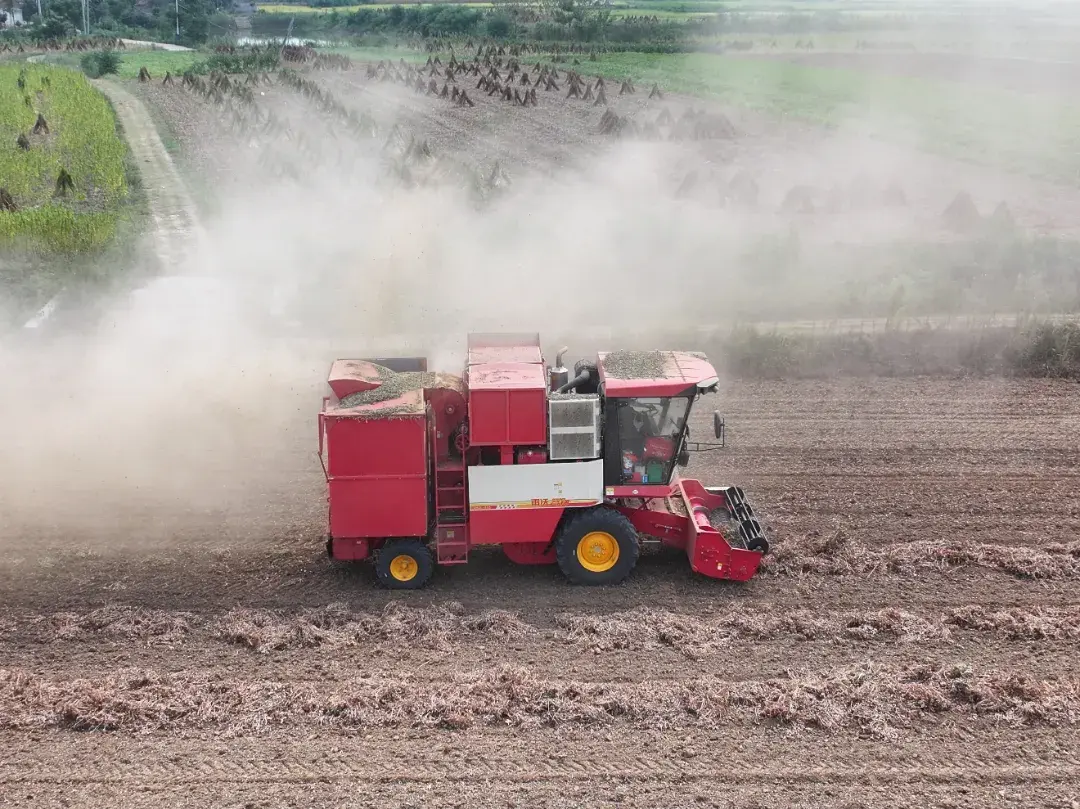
(577, 471)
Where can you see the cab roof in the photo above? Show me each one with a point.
(505, 362)
(514, 348)
(655, 373)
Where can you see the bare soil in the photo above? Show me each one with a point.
(172, 211)
(223, 659)
(844, 175)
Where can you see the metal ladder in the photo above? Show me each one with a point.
(451, 513)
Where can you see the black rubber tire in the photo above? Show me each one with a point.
(420, 552)
(585, 522)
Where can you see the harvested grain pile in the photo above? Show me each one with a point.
(393, 385)
(870, 697)
(635, 364)
(116, 622)
(961, 215)
(611, 123)
(693, 636)
(448, 626)
(894, 195)
(1036, 623)
(1002, 218)
(743, 189)
(799, 200)
(335, 625)
(835, 554)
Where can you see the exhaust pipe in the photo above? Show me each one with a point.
(559, 375)
(580, 379)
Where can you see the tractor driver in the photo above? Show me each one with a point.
(635, 428)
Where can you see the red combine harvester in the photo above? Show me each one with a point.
(578, 471)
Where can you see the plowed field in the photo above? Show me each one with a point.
(911, 642)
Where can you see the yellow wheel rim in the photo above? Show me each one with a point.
(598, 551)
(404, 568)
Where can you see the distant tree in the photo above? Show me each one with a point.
(55, 27)
(70, 11)
(499, 26)
(194, 21)
(221, 23)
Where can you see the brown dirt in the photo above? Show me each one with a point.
(172, 210)
(227, 661)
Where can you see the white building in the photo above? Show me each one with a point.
(13, 16)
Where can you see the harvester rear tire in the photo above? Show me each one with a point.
(404, 564)
(607, 526)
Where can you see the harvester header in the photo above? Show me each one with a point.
(573, 468)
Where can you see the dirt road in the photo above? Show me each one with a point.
(228, 662)
(172, 210)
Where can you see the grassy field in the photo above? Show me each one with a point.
(715, 6)
(676, 12)
(1031, 134)
(82, 139)
(157, 62)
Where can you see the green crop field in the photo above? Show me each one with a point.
(157, 62)
(82, 139)
(1036, 135)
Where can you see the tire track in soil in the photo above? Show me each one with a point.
(741, 662)
(302, 577)
(552, 794)
(750, 755)
(229, 772)
(173, 211)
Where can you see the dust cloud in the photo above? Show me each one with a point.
(190, 412)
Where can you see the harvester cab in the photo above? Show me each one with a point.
(577, 471)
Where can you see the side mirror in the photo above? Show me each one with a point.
(718, 424)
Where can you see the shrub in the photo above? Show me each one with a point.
(1047, 350)
(769, 355)
(100, 63)
(499, 26)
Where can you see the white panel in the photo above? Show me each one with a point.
(554, 484)
(573, 427)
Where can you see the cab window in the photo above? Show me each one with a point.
(650, 434)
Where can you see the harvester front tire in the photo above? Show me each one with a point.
(597, 546)
(404, 564)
